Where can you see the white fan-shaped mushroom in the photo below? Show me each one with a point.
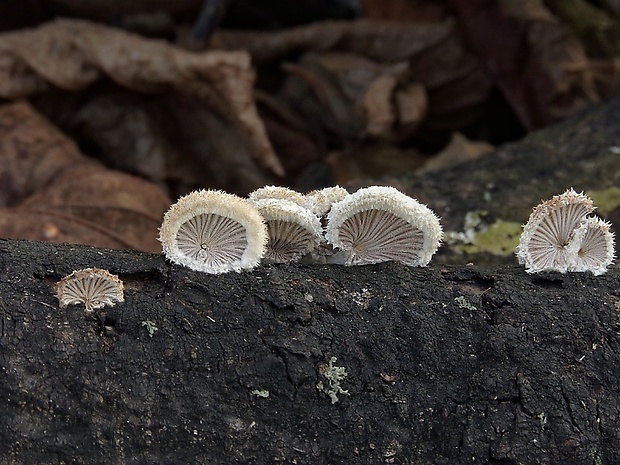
(92, 287)
(277, 192)
(321, 201)
(293, 230)
(560, 236)
(214, 232)
(378, 224)
(592, 247)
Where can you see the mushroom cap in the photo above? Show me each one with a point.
(277, 192)
(321, 201)
(377, 224)
(544, 243)
(92, 287)
(293, 230)
(213, 232)
(592, 247)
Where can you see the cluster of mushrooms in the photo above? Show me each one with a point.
(215, 232)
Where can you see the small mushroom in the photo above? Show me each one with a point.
(213, 232)
(92, 287)
(559, 235)
(277, 192)
(377, 224)
(293, 230)
(592, 248)
(321, 201)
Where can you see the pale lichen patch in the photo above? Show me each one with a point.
(334, 375)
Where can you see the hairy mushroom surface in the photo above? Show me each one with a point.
(377, 224)
(321, 201)
(277, 192)
(293, 230)
(213, 232)
(560, 236)
(592, 248)
(92, 287)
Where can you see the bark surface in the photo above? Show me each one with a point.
(307, 364)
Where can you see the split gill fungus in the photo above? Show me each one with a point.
(560, 235)
(93, 287)
(293, 230)
(214, 232)
(377, 224)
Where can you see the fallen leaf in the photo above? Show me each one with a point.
(72, 55)
(599, 31)
(374, 79)
(537, 62)
(356, 92)
(168, 138)
(459, 150)
(51, 192)
(298, 146)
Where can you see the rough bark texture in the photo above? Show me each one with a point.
(444, 365)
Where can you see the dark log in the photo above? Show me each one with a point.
(442, 365)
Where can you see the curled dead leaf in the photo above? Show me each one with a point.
(167, 138)
(51, 192)
(537, 62)
(374, 78)
(72, 54)
(459, 150)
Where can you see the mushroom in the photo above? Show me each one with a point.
(321, 201)
(592, 248)
(377, 224)
(559, 235)
(92, 287)
(213, 232)
(293, 230)
(277, 192)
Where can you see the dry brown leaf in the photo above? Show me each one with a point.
(537, 62)
(366, 94)
(357, 93)
(71, 55)
(382, 41)
(376, 79)
(51, 192)
(598, 30)
(297, 145)
(167, 138)
(459, 150)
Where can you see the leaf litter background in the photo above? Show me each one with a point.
(110, 110)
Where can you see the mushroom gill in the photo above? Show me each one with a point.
(377, 224)
(592, 248)
(213, 232)
(553, 236)
(92, 287)
(293, 230)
